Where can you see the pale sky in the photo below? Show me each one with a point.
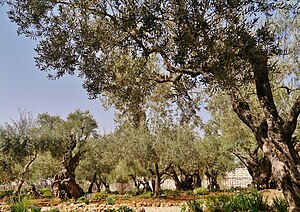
(23, 86)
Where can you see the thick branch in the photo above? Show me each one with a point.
(166, 169)
(291, 122)
(259, 62)
(242, 109)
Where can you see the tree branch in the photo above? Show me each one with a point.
(242, 109)
(25, 169)
(166, 169)
(291, 122)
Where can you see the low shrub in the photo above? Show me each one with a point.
(217, 203)
(147, 194)
(46, 193)
(6, 193)
(200, 191)
(169, 193)
(35, 209)
(238, 202)
(19, 207)
(83, 199)
(193, 206)
(134, 192)
(125, 209)
(110, 200)
(100, 196)
(279, 205)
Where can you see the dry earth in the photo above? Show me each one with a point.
(170, 204)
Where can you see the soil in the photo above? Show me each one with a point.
(149, 204)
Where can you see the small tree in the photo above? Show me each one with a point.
(19, 144)
(215, 155)
(68, 138)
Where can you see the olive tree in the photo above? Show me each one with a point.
(20, 144)
(227, 45)
(240, 139)
(68, 138)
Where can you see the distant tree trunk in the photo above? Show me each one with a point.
(64, 184)
(157, 184)
(186, 180)
(212, 176)
(197, 182)
(33, 191)
(147, 187)
(90, 189)
(136, 182)
(98, 185)
(157, 175)
(19, 186)
(105, 184)
(157, 180)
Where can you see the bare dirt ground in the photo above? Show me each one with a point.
(141, 204)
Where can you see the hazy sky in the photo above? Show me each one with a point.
(23, 86)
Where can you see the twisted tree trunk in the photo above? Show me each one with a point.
(273, 131)
(259, 168)
(64, 185)
(21, 178)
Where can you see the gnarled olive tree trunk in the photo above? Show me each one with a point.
(64, 184)
(273, 131)
(212, 176)
(259, 168)
(185, 181)
(157, 177)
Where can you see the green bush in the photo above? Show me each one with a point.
(19, 207)
(147, 194)
(217, 203)
(100, 196)
(201, 191)
(110, 200)
(20, 204)
(279, 205)
(193, 206)
(239, 202)
(125, 209)
(35, 209)
(6, 193)
(133, 192)
(46, 193)
(169, 192)
(83, 199)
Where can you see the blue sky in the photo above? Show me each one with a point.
(23, 86)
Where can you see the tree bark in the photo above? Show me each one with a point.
(212, 176)
(259, 169)
(22, 174)
(197, 182)
(157, 175)
(157, 180)
(90, 189)
(187, 181)
(105, 184)
(64, 185)
(273, 132)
